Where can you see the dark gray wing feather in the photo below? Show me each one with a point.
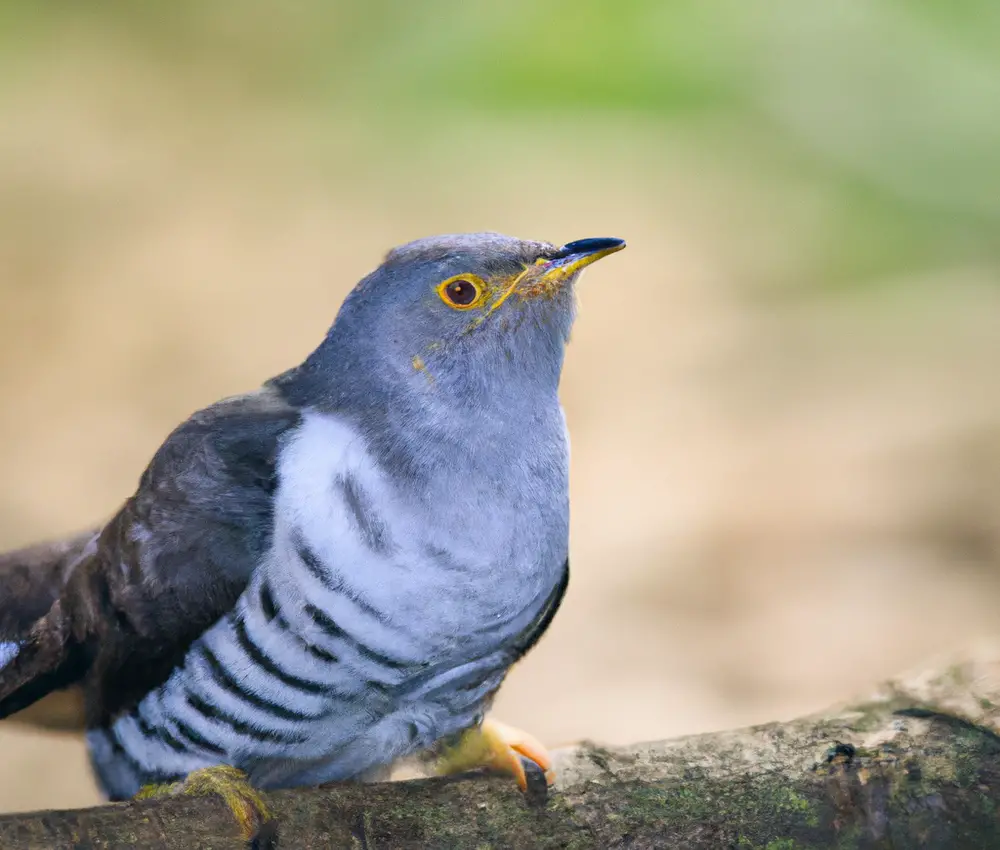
(31, 579)
(172, 561)
(531, 635)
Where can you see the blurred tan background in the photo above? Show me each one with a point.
(782, 397)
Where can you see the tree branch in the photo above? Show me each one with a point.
(916, 764)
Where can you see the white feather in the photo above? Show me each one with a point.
(8, 652)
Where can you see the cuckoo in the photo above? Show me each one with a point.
(319, 578)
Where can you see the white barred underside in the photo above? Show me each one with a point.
(363, 636)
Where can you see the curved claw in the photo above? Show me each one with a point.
(497, 746)
(507, 744)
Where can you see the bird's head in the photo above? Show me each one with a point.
(467, 318)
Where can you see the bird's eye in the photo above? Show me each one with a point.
(462, 292)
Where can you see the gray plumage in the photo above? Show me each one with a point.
(319, 578)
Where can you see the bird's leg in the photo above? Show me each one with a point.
(230, 783)
(496, 746)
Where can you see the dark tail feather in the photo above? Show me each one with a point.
(36, 654)
(31, 579)
(66, 673)
(44, 659)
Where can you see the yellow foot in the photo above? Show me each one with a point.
(229, 783)
(496, 746)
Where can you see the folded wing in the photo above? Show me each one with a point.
(116, 611)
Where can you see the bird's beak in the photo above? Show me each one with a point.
(550, 273)
(575, 255)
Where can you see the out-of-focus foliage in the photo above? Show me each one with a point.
(888, 111)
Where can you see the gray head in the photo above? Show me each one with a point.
(476, 322)
(466, 318)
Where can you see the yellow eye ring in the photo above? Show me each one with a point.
(462, 292)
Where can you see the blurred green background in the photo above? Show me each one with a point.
(783, 396)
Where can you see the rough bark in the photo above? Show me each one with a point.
(914, 764)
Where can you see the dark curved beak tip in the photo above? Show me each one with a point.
(591, 246)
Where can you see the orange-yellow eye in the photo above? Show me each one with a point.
(462, 291)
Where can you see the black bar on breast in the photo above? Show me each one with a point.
(225, 681)
(330, 581)
(259, 657)
(267, 604)
(333, 630)
(170, 739)
(197, 738)
(239, 726)
(315, 651)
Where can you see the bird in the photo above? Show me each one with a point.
(317, 579)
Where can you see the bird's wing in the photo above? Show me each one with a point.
(172, 561)
(533, 633)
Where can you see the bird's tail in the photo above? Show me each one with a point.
(30, 583)
(31, 579)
